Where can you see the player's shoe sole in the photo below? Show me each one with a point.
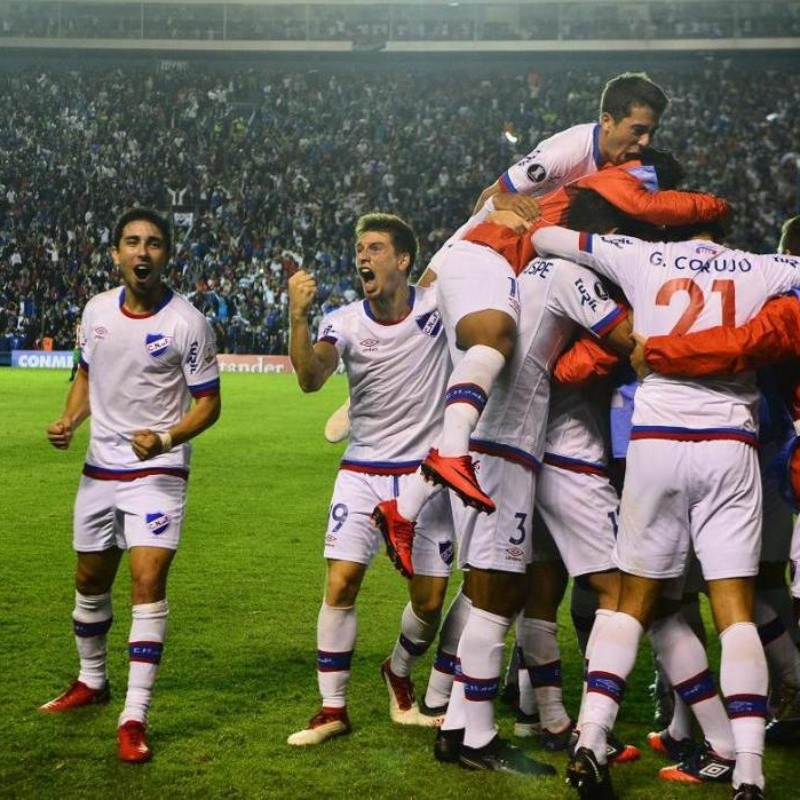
(78, 695)
(431, 717)
(458, 474)
(337, 428)
(527, 725)
(591, 779)
(398, 535)
(325, 724)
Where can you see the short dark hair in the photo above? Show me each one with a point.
(400, 232)
(147, 214)
(630, 89)
(589, 211)
(669, 170)
(790, 237)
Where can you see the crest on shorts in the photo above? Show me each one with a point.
(446, 552)
(157, 344)
(157, 522)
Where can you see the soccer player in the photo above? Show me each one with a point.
(146, 353)
(395, 356)
(709, 498)
(495, 550)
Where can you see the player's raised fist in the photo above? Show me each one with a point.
(302, 290)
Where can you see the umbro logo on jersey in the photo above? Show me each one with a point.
(157, 344)
(369, 345)
(157, 523)
(537, 173)
(430, 324)
(99, 331)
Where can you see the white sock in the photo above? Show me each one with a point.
(542, 656)
(456, 716)
(613, 657)
(145, 646)
(440, 682)
(744, 680)
(91, 620)
(336, 640)
(468, 389)
(782, 656)
(480, 653)
(415, 638)
(416, 491)
(601, 617)
(684, 661)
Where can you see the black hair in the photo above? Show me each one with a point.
(630, 89)
(669, 170)
(147, 214)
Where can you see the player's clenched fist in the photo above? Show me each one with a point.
(59, 433)
(302, 290)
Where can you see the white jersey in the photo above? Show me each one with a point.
(577, 431)
(143, 372)
(554, 296)
(397, 374)
(676, 288)
(555, 162)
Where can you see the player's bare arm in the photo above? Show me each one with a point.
(313, 363)
(620, 339)
(520, 204)
(638, 358)
(203, 413)
(76, 410)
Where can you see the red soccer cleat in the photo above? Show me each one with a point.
(132, 739)
(77, 696)
(325, 724)
(457, 473)
(403, 708)
(398, 533)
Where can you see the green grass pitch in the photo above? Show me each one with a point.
(238, 672)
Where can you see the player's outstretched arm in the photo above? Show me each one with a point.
(203, 413)
(772, 335)
(313, 363)
(76, 410)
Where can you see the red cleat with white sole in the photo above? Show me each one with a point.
(458, 474)
(77, 696)
(132, 742)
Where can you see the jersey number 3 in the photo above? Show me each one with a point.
(725, 288)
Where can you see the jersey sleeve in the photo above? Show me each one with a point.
(614, 257)
(331, 330)
(772, 335)
(200, 368)
(85, 342)
(629, 194)
(582, 297)
(546, 168)
(780, 272)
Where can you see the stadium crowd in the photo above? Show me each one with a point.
(269, 171)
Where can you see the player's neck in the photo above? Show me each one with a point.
(392, 309)
(143, 302)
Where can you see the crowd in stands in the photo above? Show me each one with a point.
(269, 170)
(598, 19)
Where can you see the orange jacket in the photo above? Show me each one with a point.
(623, 187)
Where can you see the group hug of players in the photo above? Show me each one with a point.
(479, 433)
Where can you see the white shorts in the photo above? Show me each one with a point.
(681, 494)
(351, 536)
(776, 532)
(147, 512)
(470, 278)
(501, 540)
(579, 512)
(794, 558)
